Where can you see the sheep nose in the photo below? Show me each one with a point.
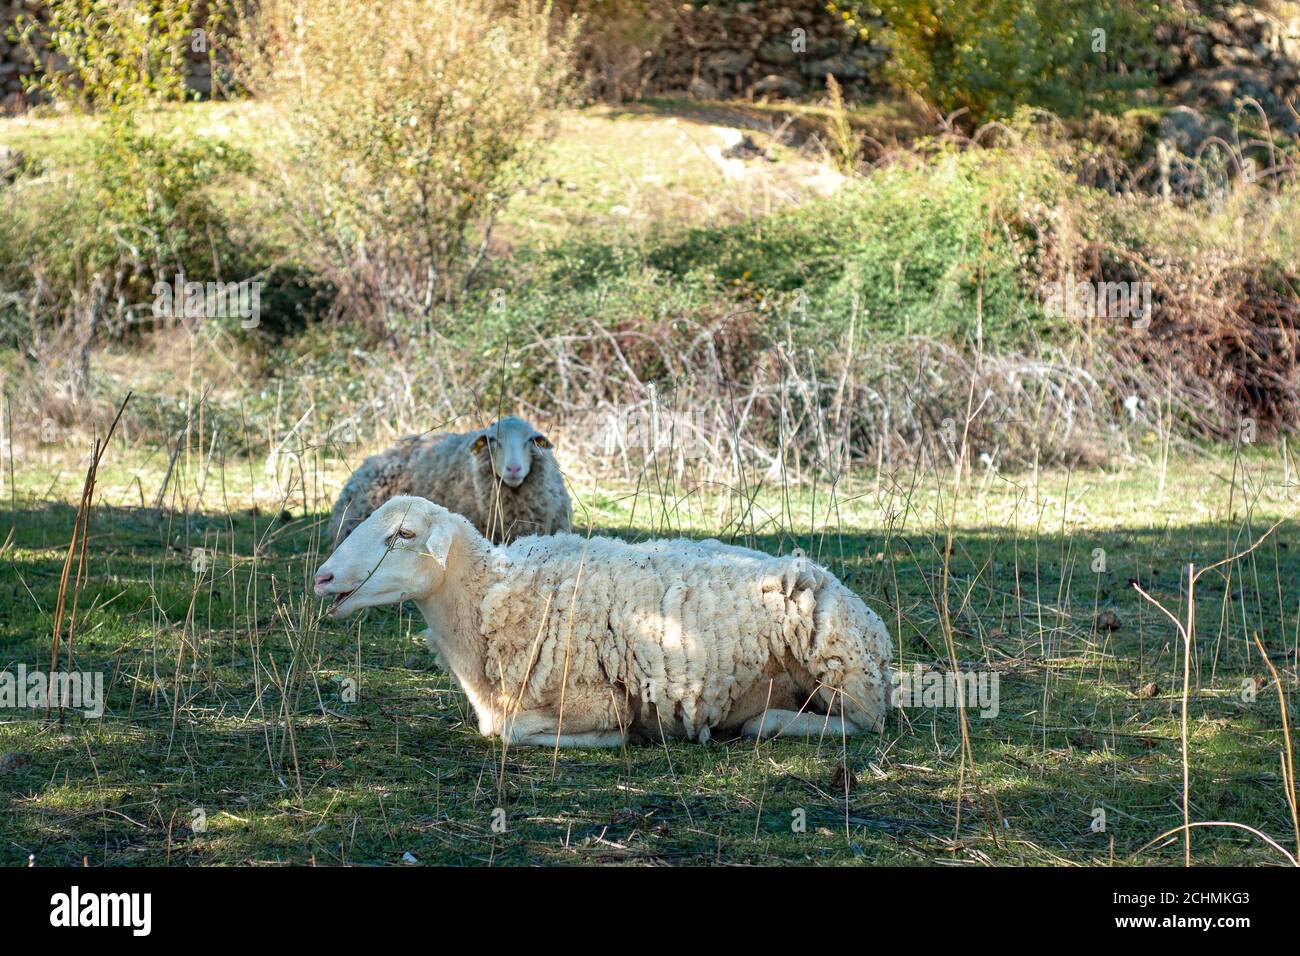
(513, 470)
(322, 579)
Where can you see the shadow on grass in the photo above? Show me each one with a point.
(231, 737)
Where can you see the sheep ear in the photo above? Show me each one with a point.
(541, 441)
(479, 443)
(438, 544)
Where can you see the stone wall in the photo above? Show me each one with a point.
(1241, 52)
(764, 48)
(776, 48)
(784, 48)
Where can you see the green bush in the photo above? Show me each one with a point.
(115, 54)
(89, 248)
(989, 58)
(80, 252)
(409, 124)
(938, 247)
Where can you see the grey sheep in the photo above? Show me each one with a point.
(503, 478)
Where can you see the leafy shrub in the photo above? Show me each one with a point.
(80, 253)
(936, 247)
(988, 58)
(86, 250)
(410, 123)
(115, 54)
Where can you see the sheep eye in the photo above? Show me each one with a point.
(400, 533)
(541, 442)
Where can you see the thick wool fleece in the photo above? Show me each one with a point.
(447, 470)
(674, 637)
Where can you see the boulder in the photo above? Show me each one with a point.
(1187, 128)
(1221, 32)
(1226, 55)
(776, 85)
(702, 89)
(1197, 51)
(728, 62)
(843, 67)
(1225, 86)
(777, 50)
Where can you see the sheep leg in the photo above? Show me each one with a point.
(789, 723)
(540, 728)
(594, 738)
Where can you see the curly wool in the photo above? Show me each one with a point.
(687, 636)
(446, 469)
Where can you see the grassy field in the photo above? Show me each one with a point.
(231, 735)
(615, 171)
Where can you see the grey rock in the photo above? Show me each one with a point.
(1225, 86)
(1198, 50)
(745, 149)
(1246, 20)
(1188, 128)
(776, 85)
(822, 47)
(1221, 32)
(1233, 56)
(778, 51)
(702, 89)
(728, 62)
(843, 68)
(11, 164)
(14, 761)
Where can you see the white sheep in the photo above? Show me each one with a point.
(573, 641)
(503, 478)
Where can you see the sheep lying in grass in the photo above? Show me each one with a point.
(571, 641)
(503, 478)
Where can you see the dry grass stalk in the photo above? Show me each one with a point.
(77, 546)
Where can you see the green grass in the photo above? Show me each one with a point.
(227, 694)
(607, 171)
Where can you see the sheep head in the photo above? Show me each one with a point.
(506, 449)
(398, 553)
